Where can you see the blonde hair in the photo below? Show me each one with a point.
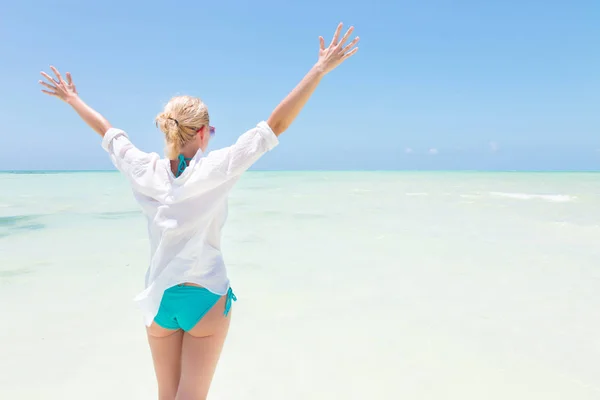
(180, 121)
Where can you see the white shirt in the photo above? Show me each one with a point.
(185, 214)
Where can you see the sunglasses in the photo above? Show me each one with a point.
(211, 130)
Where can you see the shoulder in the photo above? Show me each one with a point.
(116, 141)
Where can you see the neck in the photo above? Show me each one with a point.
(190, 150)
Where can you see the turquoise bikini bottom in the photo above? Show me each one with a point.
(182, 306)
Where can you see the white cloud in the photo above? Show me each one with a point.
(494, 147)
(408, 150)
(433, 151)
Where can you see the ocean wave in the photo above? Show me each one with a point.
(555, 198)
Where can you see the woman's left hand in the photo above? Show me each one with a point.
(64, 90)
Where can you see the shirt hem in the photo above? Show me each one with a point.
(110, 135)
(267, 133)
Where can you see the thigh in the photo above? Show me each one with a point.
(165, 345)
(201, 351)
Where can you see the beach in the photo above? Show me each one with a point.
(350, 285)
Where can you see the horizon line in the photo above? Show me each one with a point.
(40, 171)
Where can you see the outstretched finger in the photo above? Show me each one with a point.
(50, 93)
(351, 44)
(350, 54)
(336, 35)
(49, 86)
(348, 33)
(60, 78)
(50, 79)
(69, 78)
(321, 43)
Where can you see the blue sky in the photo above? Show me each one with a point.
(435, 85)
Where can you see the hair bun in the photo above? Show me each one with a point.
(179, 122)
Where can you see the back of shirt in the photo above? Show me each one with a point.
(185, 214)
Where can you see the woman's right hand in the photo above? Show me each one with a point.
(336, 53)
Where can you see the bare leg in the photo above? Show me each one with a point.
(200, 353)
(165, 345)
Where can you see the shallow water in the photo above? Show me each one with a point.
(351, 285)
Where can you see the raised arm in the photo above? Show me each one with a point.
(66, 91)
(136, 165)
(329, 58)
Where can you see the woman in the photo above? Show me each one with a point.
(187, 296)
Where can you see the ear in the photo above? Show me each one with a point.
(202, 132)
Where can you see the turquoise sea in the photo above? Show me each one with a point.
(350, 285)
